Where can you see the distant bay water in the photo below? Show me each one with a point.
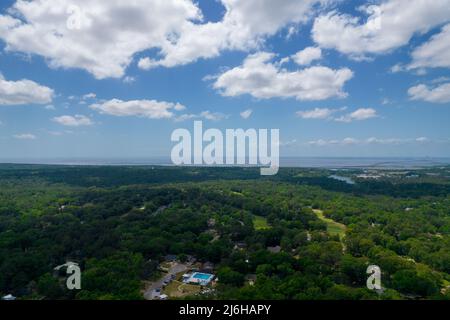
(298, 162)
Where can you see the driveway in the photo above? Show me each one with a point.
(150, 293)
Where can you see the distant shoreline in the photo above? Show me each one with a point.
(286, 162)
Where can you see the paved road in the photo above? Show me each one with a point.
(175, 269)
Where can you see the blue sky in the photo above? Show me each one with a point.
(338, 78)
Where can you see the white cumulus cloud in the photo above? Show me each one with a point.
(74, 121)
(261, 78)
(307, 55)
(151, 109)
(102, 37)
(390, 25)
(246, 114)
(245, 25)
(23, 92)
(207, 115)
(437, 94)
(89, 96)
(317, 113)
(358, 115)
(434, 53)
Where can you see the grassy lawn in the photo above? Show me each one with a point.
(260, 223)
(189, 289)
(177, 289)
(333, 227)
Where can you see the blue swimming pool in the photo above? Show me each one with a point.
(201, 276)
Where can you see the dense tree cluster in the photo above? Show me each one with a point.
(119, 222)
